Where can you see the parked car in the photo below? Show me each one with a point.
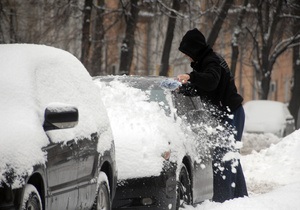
(57, 148)
(161, 160)
(263, 116)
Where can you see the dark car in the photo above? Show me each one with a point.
(161, 158)
(298, 119)
(56, 145)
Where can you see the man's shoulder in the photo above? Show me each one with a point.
(212, 57)
(224, 64)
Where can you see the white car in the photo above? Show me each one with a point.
(263, 116)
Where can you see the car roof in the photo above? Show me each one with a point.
(143, 82)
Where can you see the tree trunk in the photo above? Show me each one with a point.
(266, 72)
(211, 39)
(265, 86)
(97, 40)
(294, 104)
(295, 101)
(128, 41)
(85, 39)
(266, 50)
(164, 68)
(234, 43)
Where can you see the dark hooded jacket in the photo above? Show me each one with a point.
(211, 75)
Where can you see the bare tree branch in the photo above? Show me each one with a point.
(217, 25)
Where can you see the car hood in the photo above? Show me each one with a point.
(142, 130)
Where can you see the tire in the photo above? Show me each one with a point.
(103, 201)
(184, 189)
(31, 199)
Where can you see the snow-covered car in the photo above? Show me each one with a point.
(264, 116)
(56, 143)
(161, 161)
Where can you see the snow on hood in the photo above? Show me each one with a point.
(141, 130)
(31, 77)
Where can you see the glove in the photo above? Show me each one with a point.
(170, 84)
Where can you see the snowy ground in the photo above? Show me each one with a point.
(272, 170)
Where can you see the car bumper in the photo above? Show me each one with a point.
(147, 193)
(9, 199)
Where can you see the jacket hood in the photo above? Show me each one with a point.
(194, 44)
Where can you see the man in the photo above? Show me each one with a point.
(214, 83)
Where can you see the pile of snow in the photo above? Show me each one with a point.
(257, 142)
(275, 166)
(272, 176)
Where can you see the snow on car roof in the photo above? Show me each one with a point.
(22, 112)
(264, 115)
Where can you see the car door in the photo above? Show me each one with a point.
(61, 169)
(202, 177)
(63, 151)
(87, 166)
(203, 173)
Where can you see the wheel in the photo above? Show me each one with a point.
(31, 199)
(103, 201)
(184, 188)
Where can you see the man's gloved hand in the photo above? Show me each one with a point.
(170, 84)
(183, 78)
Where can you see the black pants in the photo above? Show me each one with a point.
(229, 182)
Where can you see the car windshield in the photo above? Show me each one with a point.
(160, 96)
(151, 86)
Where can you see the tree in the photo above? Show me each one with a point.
(235, 38)
(294, 104)
(169, 38)
(269, 40)
(8, 19)
(85, 38)
(97, 38)
(217, 25)
(131, 19)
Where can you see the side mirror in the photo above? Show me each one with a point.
(60, 116)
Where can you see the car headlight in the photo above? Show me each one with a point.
(166, 155)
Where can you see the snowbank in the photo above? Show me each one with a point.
(272, 176)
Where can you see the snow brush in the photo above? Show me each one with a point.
(170, 84)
